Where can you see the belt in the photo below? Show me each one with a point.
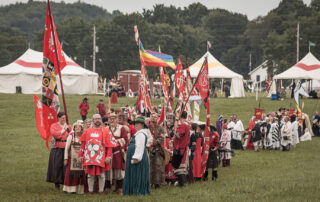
(61, 140)
(116, 152)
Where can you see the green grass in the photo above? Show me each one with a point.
(263, 176)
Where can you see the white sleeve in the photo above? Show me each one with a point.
(68, 144)
(150, 138)
(139, 150)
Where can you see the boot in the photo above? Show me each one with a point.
(205, 176)
(228, 162)
(57, 186)
(214, 175)
(108, 186)
(119, 186)
(224, 163)
(181, 180)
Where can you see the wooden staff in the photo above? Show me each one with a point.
(58, 63)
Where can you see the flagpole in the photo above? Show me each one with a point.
(58, 63)
(205, 61)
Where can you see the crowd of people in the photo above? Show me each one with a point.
(125, 152)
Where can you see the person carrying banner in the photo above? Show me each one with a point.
(96, 152)
(180, 143)
(60, 132)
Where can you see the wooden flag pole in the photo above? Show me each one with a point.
(58, 63)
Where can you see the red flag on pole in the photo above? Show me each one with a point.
(53, 63)
(49, 42)
(203, 87)
(179, 78)
(45, 116)
(162, 115)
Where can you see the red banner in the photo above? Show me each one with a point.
(49, 52)
(45, 116)
(144, 88)
(180, 81)
(202, 85)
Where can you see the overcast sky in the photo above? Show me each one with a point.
(252, 8)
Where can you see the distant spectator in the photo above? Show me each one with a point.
(84, 108)
(101, 108)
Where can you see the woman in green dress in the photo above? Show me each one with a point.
(137, 178)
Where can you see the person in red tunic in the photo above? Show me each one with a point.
(101, 108)
(118, 160)
(196, 141)
(180, 143)
(213, 158)
(60, 132)
(96, 152)
(84, 108)
(249, 143)
(123, 120)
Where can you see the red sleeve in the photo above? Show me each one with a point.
(109, 152)
(80, 105)
(124, 135)
(218, 142)
(83, 144)
(187, 131)
(55, 131)
(133, 130)
(88, 105)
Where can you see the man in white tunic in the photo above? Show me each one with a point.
(286, 134)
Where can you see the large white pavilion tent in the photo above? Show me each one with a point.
(26, 72)
(218, 70)
(307, 68)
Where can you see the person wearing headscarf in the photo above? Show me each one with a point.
(75, 179)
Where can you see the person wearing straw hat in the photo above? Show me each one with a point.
(137, 178)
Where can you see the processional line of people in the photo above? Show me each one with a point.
(111, 150)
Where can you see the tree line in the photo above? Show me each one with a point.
(180, 32)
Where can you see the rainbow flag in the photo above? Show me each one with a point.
(155, 59)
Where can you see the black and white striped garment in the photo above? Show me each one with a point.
(276, 127)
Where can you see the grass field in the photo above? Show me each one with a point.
(263, 176)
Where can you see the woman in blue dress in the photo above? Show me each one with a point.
(137, 178)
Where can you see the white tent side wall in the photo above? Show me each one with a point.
(237, 88)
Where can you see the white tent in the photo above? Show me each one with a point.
(218, 70)
(26, 72)
(307, 68)
(314, 84)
